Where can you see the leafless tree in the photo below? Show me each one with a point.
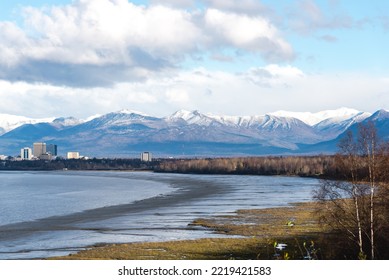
(349, 159)
(358, 160)
(369, 146)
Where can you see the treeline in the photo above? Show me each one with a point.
(320, 166)
(78, 164)
(314, 166)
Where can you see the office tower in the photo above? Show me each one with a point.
(39, 149)
(51, 149)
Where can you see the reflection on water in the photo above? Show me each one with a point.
(57, 213)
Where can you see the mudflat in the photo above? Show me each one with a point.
(249, 234)
(187, 190)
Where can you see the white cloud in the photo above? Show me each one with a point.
(98, 56)
(274, 75)
(12, 39)
(284, 71)
(271, 88)
(92, 43)
(103, 32)
(253, 33)
(175, 3)
(252, 7)
(100, 42)
(177, 96)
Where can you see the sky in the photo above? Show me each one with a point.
(230, 57)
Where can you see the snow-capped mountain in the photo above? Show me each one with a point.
(66, 122)
(10, 122)
(191, 117)
(336, 116)
(189, 133)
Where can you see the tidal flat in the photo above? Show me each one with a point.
(248, 234)
(49, 214)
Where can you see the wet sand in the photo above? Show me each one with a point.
(257, 229)
(187, 190)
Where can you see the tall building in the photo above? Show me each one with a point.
(26, 154)
(73, 155)
(145, 156)
(39, 149)
(52, 149)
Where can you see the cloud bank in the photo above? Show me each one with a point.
(225, 57)
(100, 42)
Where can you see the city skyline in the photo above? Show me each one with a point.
(249, 57)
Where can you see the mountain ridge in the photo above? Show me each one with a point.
(191, 133)
(9, 122)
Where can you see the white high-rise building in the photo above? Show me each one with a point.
(26, 154)
(145, 156)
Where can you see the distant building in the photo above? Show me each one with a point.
(39, 149)
(145, 156)
(73, 155)
(52, 149)
(46, 156)
(26, 154)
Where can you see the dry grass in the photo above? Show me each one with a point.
(267, 223)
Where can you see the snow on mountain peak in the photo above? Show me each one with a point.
(315, 118)
(70, 121)
(191, 117)
(130, 112)
(184, 114)
(10, 122)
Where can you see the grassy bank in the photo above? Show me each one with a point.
(258, 230)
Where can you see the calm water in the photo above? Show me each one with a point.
(57, 213)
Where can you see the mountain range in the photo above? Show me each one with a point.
(189, 133)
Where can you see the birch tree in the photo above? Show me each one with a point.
(358, 161)
(351, 161)
(369, 146)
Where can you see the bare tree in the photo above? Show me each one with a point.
(358, 161)
(369, 146)
(349, 150)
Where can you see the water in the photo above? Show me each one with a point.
(46, 214)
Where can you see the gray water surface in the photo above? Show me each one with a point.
(46, 214)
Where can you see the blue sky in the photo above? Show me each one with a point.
(233, 57)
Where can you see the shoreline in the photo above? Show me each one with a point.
(191, 190)
(185, 205)
(249, 234)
